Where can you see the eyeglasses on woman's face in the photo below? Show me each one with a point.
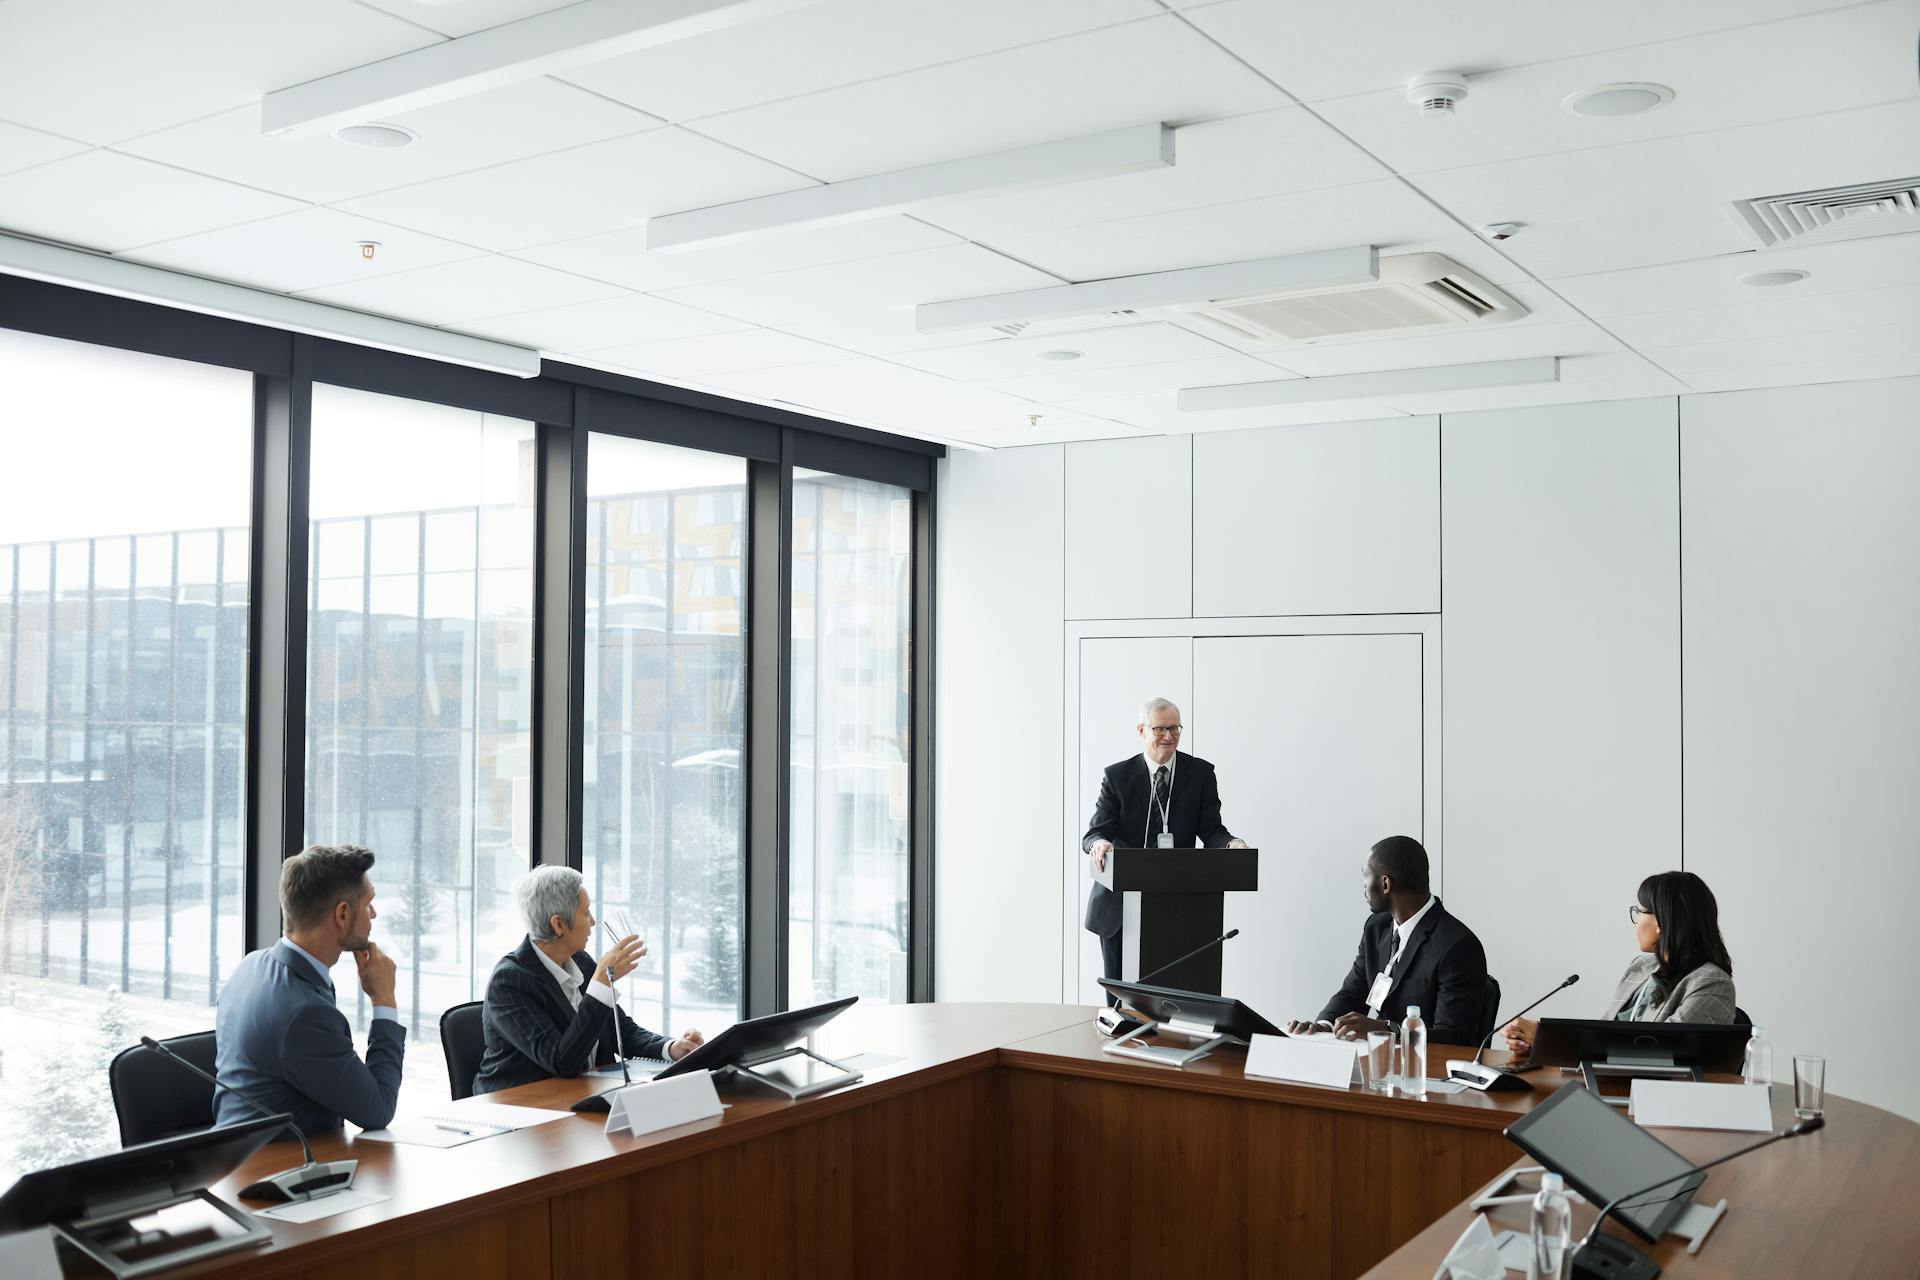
(1635, 911)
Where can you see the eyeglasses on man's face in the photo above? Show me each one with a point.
(1164, 730)
(1635, 912)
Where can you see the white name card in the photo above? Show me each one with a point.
(29, 1256)
(1303, 1061)
(1691, 1104)
(653, 1105)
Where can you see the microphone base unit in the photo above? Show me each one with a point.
(308, 1182)
(1476, 1075)
(1111, 1022)
(1611, 1258)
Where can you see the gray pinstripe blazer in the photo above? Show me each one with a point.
(1705, 995)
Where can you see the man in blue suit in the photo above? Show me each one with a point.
(544, 1015)
(279, 1037)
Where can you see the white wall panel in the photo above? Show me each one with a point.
(1115, 676)
(1334, 518)
(1000, 753)
(1129, 532)
(1802, 572)
(1562, 683)
(1319, 745)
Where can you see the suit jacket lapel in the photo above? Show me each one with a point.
(1405, 964)
(550, 992)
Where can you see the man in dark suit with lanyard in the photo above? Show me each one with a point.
(1163, 798)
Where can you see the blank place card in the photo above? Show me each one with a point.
(1688, 1104)
(1303, 1061)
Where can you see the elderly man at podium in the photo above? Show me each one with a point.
(1163, 798)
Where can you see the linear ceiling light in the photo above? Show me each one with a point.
(590, 31)
(1326, 269)
(1097, 155)
(1368, 386)
(57, 265)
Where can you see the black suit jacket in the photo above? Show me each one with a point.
(1443, 970)
(1121, 815)
(532, 1034)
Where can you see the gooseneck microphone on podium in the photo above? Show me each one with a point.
(1476, 1075)
(1112, 1022)
(311, 1180)
(1601, 1257)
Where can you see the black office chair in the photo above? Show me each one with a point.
(154, 1098)
(1489, 1008)
(463, 1042)
(1740, 1018)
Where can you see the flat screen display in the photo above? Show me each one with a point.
(1602, 1154)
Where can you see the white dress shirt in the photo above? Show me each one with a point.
(1152, 768)
(571, 982)
(1402, 930)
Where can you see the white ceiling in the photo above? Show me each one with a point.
(520, 213)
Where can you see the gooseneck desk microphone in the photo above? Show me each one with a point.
(1487, 1079)
(310, 1181)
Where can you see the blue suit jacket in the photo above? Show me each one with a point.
(279, 1038)
(533, 1034)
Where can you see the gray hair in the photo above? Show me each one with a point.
(545, 893)
(1152, 705)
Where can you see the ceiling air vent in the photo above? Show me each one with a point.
(1417, 291)
(1837, 213)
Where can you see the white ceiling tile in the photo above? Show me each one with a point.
(622, 257)
(825, 46)
(1629, 193)
(1866, 59)
(1158, 69)
(609, 322)
(473, 289)
(1768, 317)
(874, 390)
(465, 16)
(866, 305)
(1793, 373)
(1893, 343)
(22, 148)
(1099, 349)
(302, 250)
(106, 71)
(1467, 346)
(1382, 213)
(101, 200)
(1156, 411)
(1218, 161)
(1131, 380)
(735, 352)
(1054, 427)
(1619, 375)
(1845, 266)
(1320, 51)
(580, 192)
(525, 119)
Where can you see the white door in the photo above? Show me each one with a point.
(1317, 740)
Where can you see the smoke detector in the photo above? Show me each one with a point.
(1436, 93)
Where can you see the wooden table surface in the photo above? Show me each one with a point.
(1003, 1141)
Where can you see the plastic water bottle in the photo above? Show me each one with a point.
(1759, 1068)
(1413, 1072)
(1550, 1255)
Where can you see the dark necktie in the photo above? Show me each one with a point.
(1160, 786)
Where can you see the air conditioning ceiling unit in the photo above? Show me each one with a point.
(1416, 291)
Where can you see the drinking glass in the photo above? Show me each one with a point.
(1809, 1086)
(1377, 1062)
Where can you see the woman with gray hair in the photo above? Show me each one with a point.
(541, 1017)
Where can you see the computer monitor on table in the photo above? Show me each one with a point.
(1685, 1050)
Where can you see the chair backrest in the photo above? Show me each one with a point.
(1740, 1018)
(1489, 1008)
(463, 1042)
(154, 1098)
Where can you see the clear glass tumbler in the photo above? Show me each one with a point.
(1809, 1086)
(1377, 1061)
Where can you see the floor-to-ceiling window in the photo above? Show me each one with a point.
(124, 504)
(420, 685)
(665, 800)
(850, 751)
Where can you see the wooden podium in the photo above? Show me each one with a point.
(1182, 905)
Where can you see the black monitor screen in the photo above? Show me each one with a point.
(150, 1172)
(1165, 1004)
(1602, 1154)
(756, 1036)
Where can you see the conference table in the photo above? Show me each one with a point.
(998, 1140)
